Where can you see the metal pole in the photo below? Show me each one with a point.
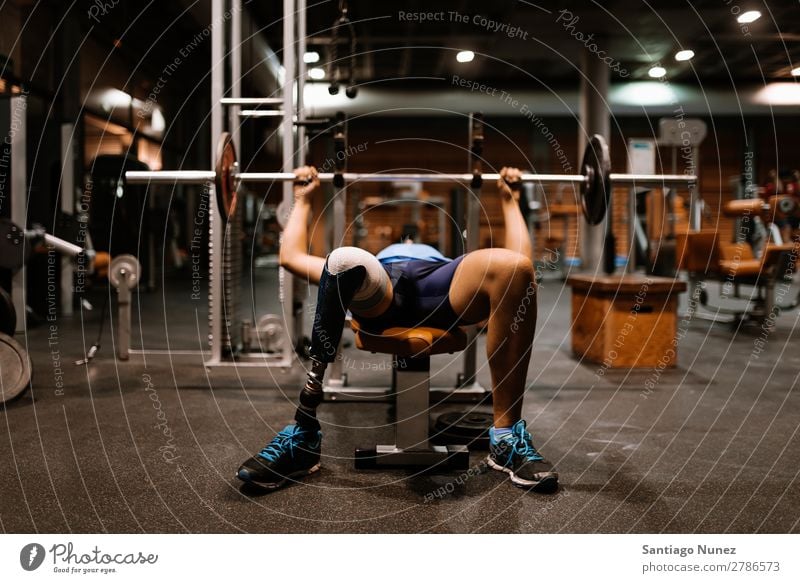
(473, 225)
(70, 250)
(630, 267)
(593, 120)
(236, 72)
(230, 101)
(254, 113)
(67, 186)
(124, 320)
(695, 201)
(19, 200)
(300, 285)
(301, 81)
(285, 278)
(215, 299)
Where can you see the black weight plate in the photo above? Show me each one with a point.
(464, 428)
(596, 165)
(225, 182)
(14, 250)
(8, 315)
(15, 368)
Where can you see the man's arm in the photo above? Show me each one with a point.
(293, 254)
(517, 237)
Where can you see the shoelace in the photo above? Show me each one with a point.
(280, 443)
(523, 444)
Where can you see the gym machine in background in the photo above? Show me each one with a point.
(17, 245)
(753, 267)
(655, 217)
(231, 338)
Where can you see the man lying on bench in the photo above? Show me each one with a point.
(414, 285)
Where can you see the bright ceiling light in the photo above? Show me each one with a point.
(644, 93)
(657, 72)
(748, 17)
(311, 57)
(316, 73)
(796, 72)
(684, 55)
(779, 94)
(465, 56)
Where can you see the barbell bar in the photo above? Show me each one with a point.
(240, 101)
(204, 176)
(594, 182)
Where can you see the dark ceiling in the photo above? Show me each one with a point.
(634, 33)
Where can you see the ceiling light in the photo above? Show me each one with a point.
(748, 17)
(796, 72)
(779, 94)
(311, 57)
(644, 93)
(316, 73)
(657, 72)
(684, 55)
(465, 56)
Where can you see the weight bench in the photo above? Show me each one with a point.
(411, 349)
(705, 257)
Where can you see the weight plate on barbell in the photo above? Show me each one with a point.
(130, 265)
(596, 193)
(15, 368)
(8, 314)
(14, 249)
(225, 182)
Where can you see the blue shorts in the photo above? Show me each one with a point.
(421, 296)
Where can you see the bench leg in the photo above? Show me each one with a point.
(411, 378)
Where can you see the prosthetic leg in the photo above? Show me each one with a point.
(295, 451)
(336, 292)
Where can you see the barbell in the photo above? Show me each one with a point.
(594, 182)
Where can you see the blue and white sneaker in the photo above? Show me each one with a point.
(515, 455)
(293, 453)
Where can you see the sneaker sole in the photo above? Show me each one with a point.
(276, 485)
(548, 483)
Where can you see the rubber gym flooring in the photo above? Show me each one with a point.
(711, 446)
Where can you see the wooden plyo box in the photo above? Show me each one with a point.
(625, 321)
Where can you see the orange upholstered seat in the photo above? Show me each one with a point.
(743, 265)
(411, 342)
(703, 252)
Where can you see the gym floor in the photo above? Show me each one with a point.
(711, 447)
